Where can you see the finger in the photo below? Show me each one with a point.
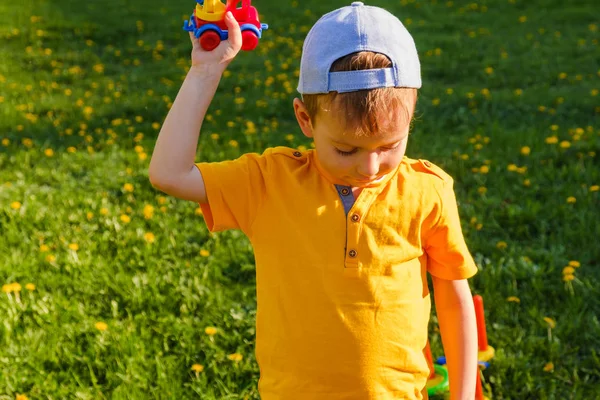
(235, 34)
(194, 39)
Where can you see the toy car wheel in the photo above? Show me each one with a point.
(209, 40)
(249, 40)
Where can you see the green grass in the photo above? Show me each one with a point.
(84, 87)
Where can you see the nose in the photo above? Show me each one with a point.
(369, 166)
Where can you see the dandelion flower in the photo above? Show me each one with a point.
(594, 188)
(125, 218)
(149, 237)
(101, 326)
(501, 245)
(128, 187)
(74, 246)
(513, 299)
(568, 270)
(30, 287)
(21, 397)
(525, 150)
(237, 357)
(15, 205)
(210, 330)
(549, 367)
(104, 211)
(148, 211)
(197, 368)
(565, 144)
(551, 323)
(49, 152)
(204, 253)
(552, 140)
(198, 211)
(568, 277)
(571, 200)
(574, 264)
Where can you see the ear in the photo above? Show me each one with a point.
(303, 118)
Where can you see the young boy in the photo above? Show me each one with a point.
(344, 234)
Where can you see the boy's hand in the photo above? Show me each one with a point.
(224, 53)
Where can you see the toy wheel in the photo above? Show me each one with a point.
(209, 40)
(249, 40)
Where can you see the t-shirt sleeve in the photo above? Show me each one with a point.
(235, 190)
(448, 255)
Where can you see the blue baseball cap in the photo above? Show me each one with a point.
(349, 30)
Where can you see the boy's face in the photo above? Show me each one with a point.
(357, 161)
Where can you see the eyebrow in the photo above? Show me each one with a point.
(383, 145)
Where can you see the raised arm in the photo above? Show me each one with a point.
(172, 167)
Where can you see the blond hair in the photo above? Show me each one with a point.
(365, 111)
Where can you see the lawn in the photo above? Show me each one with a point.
(112, 289)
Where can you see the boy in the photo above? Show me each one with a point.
(344, 234)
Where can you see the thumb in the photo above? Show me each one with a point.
(235, 34)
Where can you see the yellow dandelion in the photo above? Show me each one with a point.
(149, 237)
(489, 70)
(74, 246)
(204, 253)
(44, 248)
(525, 150)
(574, 264)
(210, 330)
(549, 367)
(551, 323)
(101, 326)
(125, 218)
(513, 299)
(50, 258)
(104, 211)
(198, 211)
(571, 200)
(568, 270)
(552, 140)
(527, 182)
(148, 211)
(235, 357)
(89, 215)
(565, 144)
(523, 18)
(233, 143)
(5, 141)
(484, 169)
(214, 136)
(162, 199)
(21, 397)
(30, 287)
(518, 92)
(197, 368)
(501, 245)
(71, 149)
(7, 288)
(482, 190)
(568, 277)
(49, 152)
(594, 188)
(15, 205)
(128, 187)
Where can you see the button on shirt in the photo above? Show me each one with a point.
(342, 298)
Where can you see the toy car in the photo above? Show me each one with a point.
(208, 24)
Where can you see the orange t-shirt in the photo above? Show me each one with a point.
(342, 298)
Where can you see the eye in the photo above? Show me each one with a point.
(345, 153)
(395, 147)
